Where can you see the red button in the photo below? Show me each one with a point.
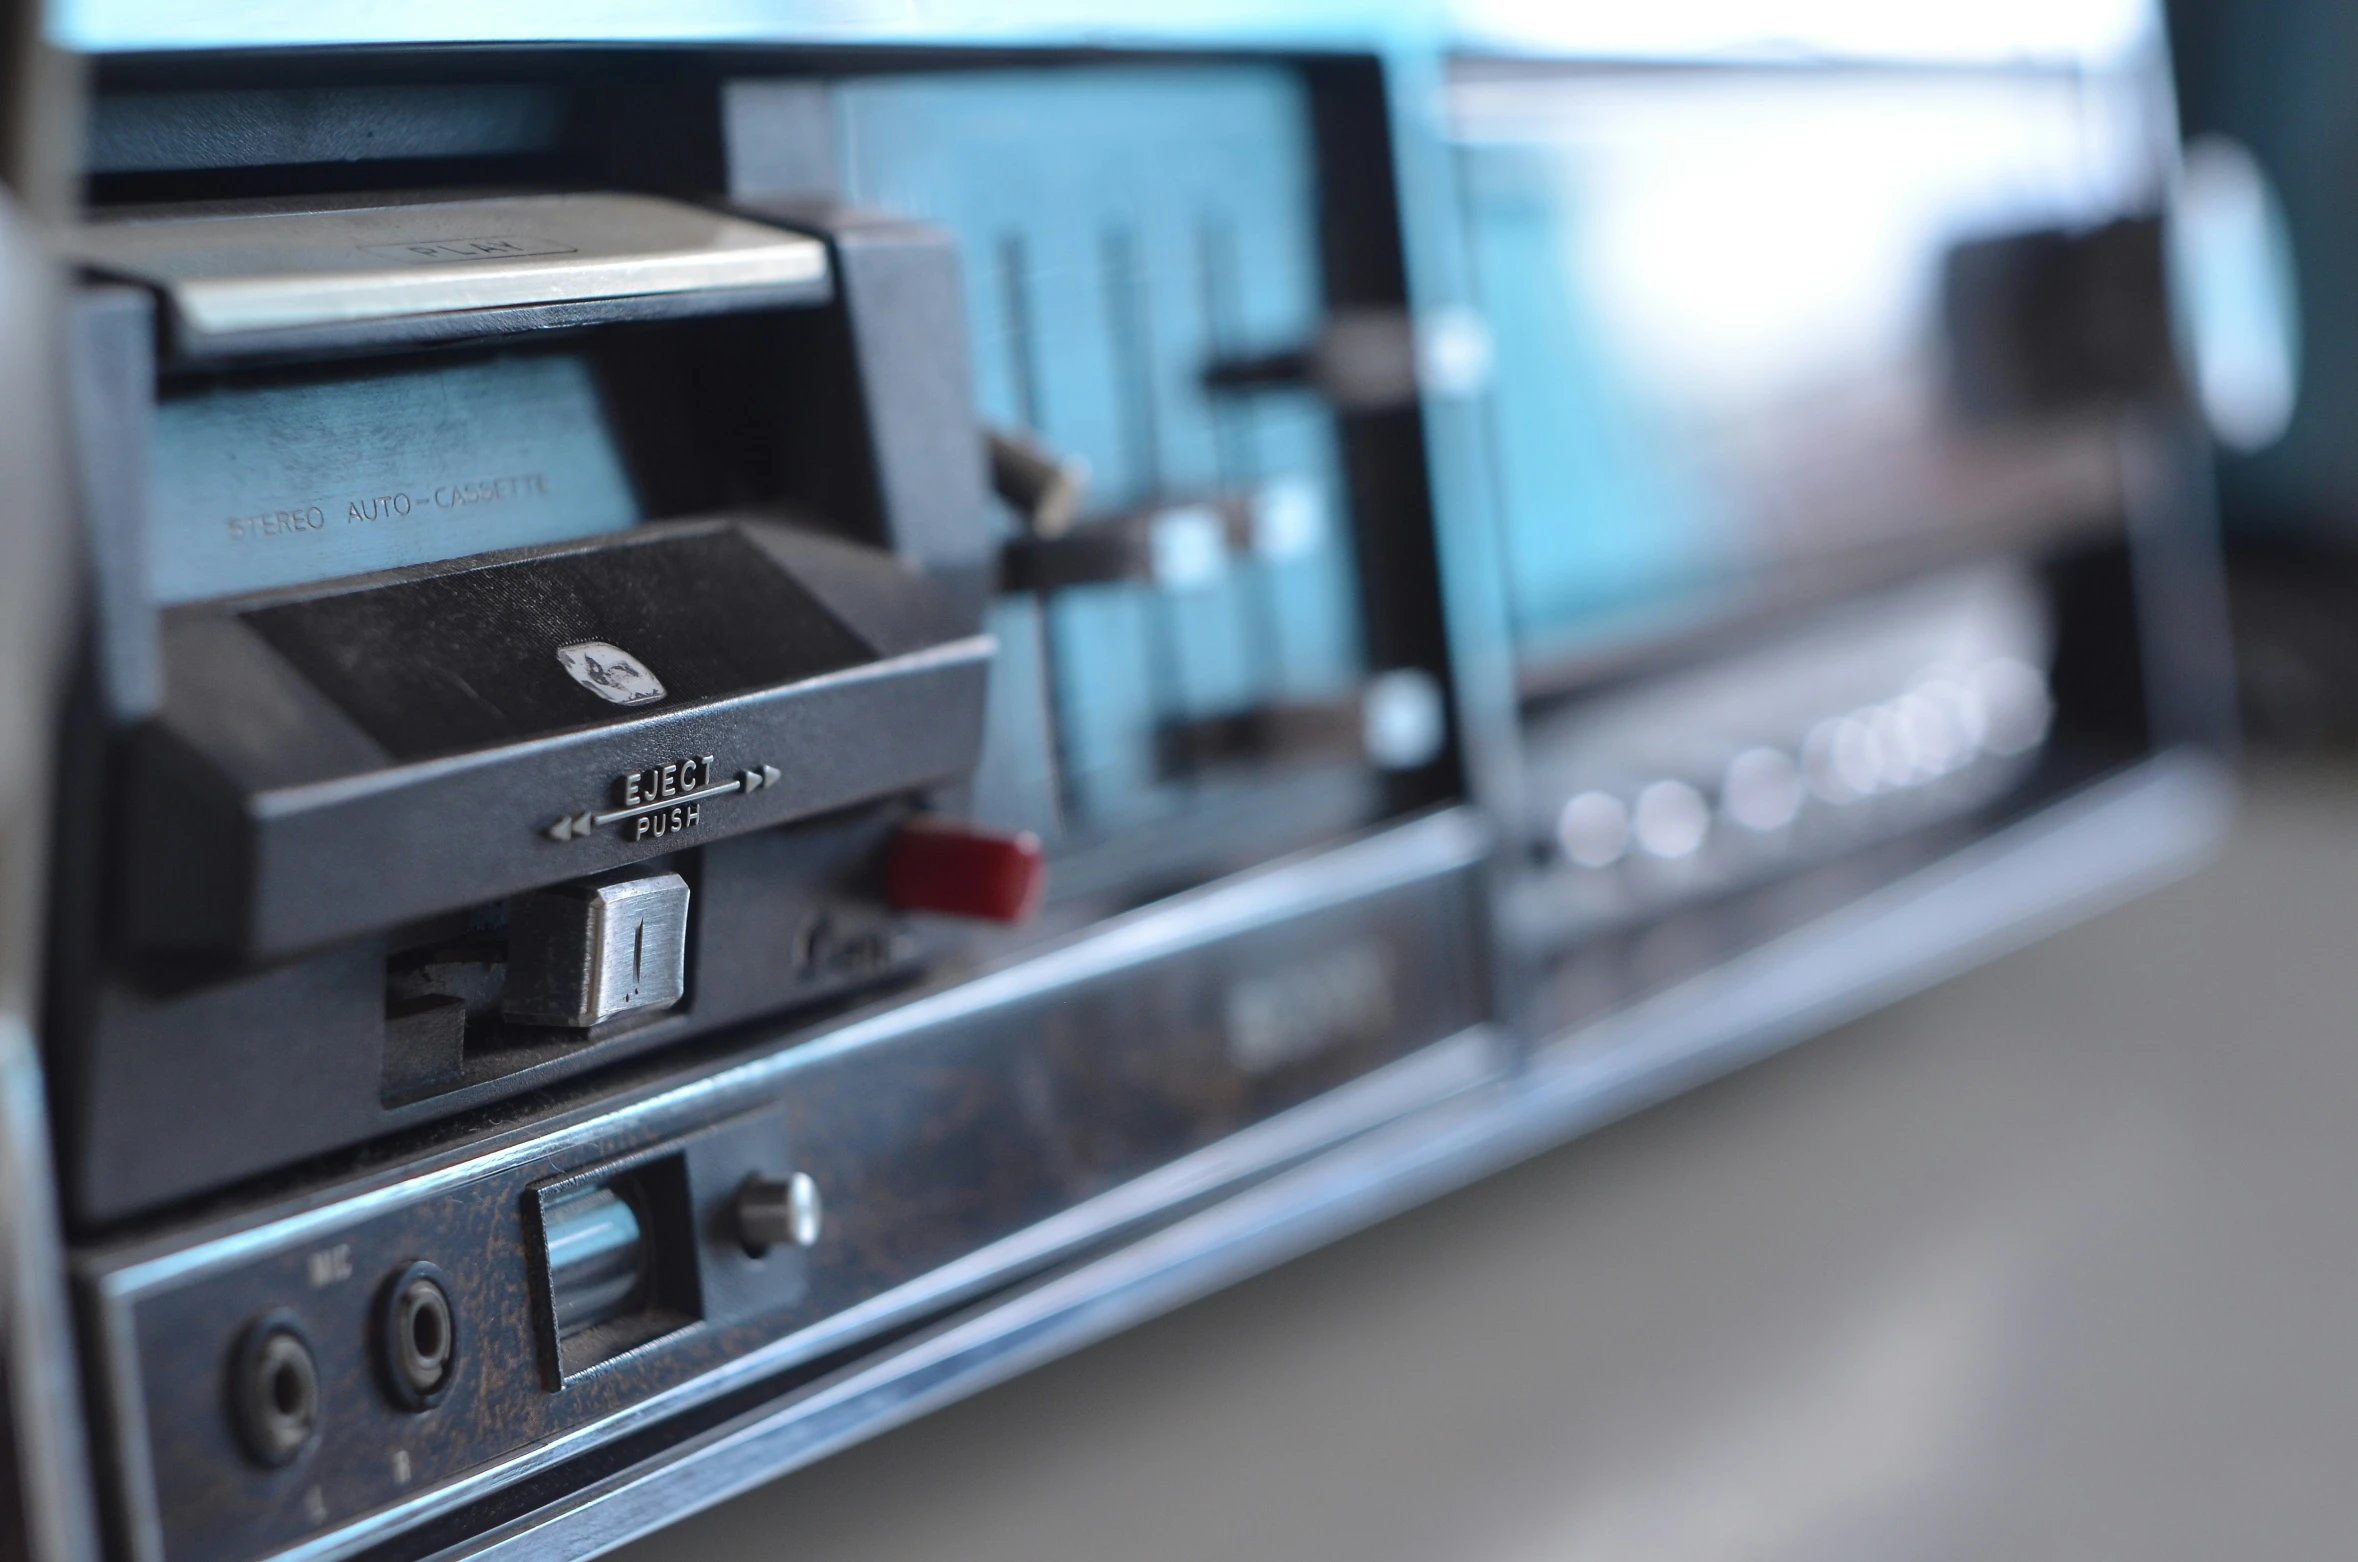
(945, 866)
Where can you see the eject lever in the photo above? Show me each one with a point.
(338, 758)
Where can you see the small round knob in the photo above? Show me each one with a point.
(773, 1213)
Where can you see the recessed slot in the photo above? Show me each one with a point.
(617, 1262)
(444, 982)
(597, 1255)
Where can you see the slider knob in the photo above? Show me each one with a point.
(773, 1213)
(955, 869)
(1043, 487)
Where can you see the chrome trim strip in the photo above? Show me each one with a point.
(232, 272)
(1436, 1073)
(44, 1447)
(1426, 848)
(2001, 892)
(132, 1444)
(2081, 856)
(44, 1400)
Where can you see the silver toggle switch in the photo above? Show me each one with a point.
(773, 1213)
(580, 954)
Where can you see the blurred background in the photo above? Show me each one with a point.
(2053, 1261)
(2269, 76)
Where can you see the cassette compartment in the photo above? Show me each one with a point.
(1233, 651)
(457, 548)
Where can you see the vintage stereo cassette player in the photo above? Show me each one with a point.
(706, 734)
(754, 728)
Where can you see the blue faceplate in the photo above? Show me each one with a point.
(1121, 229)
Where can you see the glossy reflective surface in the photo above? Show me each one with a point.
(2055, 1261)
(1726, 362)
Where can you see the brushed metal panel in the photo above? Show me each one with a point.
(230, 272)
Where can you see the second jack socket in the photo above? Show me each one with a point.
(417, 1337)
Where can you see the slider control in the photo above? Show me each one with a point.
(1362, 360)
(957, 870)
(397, 268)
(1175, 544)
(1396, 721)
(1046, 489)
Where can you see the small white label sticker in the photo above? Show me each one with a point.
(610, 673)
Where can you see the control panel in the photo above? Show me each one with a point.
(739, 703)
(760, 729)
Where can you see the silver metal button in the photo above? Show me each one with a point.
(581, 954)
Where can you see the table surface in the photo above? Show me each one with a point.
(2059, 1260)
